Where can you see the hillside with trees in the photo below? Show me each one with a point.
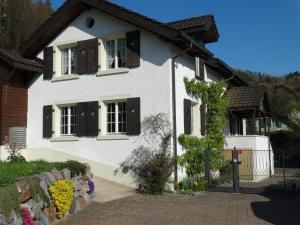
(284, 91)
(19, 19)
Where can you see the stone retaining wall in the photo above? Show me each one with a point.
(41, 212)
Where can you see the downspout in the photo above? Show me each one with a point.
(174, 113)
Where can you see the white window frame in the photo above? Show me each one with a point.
(69, 120)
(58, 60)
(104, 53)
(116, 117)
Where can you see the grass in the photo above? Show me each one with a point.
(11, 171)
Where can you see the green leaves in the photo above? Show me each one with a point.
(211, 94)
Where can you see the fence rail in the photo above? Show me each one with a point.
(242, 169)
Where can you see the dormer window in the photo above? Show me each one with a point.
(68, 60)
(115, 53)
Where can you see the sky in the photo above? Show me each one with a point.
(257, 35)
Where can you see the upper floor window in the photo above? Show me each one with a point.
(68, 61)
(68, 120)
(115, 50)
(116, 117)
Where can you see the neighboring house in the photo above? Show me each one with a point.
(15, 76)
(106, 69)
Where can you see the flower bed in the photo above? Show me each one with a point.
(41, 193)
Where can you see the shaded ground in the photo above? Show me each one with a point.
(207, 208)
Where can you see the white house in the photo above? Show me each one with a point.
(106, 69)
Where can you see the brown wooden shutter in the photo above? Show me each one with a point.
(187, 107)
(133, 116)
(92, 119)
(81, 119)
(47, 121)
(132, 53)
(87, 56)
(48, 63)
(201, 69)
(92, 55)
(203, 119)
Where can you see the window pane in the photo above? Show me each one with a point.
(122, 117)
(73, 60)
(110, 51)
(64, 120)
(111, 118)
(73, 120)
(64, 61)
(121, 52)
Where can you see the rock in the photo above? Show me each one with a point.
(88, 170)
(75, 207)
(23, 189)
(66, 173)
(2, 220)
(35, 207)
(44, 186)
(43, 219)
(14, 219)
(57, 174)
(77, 183)
(50, 212)
(46, 177)
(83, 202)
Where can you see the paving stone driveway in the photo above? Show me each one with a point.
(207, 208)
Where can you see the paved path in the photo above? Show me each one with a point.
(206, 208)
(107, 191)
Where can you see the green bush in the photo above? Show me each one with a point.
(75, 167)
(9, 200)
(188, 184)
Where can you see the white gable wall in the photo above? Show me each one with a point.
(151, 82)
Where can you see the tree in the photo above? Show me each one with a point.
(19, 19)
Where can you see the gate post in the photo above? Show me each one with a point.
(235, 170)
(207, 169)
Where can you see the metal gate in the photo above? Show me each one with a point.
(246, 170)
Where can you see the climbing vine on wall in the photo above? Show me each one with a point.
(211, 94)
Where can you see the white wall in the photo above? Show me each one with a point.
(151, 82)
(262, 159)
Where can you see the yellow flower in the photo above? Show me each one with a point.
(62, 195)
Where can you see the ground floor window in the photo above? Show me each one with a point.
(116, 117)
(68, 120)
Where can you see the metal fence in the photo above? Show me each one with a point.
(252, 170)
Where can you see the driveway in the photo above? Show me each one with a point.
(210, 208)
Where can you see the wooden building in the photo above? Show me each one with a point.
(16, 73)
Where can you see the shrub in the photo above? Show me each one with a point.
(14, 151)
(75, 167)
(62, 194)
(152, 166)
(9, 200)
(196, 184)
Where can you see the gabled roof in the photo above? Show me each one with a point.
(247, 97)
(20, 62)
(72, 8)
(201, 27)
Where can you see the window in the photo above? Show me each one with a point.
(195, 118)
(116, 117)
(68, 120)
(68, 61)
(115, 53)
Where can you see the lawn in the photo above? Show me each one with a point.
(10, 171)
